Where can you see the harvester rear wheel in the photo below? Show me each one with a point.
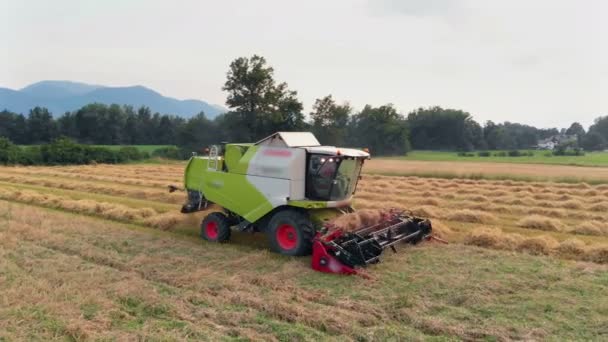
(290, 233)
(215, 228)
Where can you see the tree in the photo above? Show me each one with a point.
(41, 128)
(8, 151)
(381, 129)
(113, 125)
(88, 121)
(473, 136)
(600, 127)
(593, 141)
(576, 129)
(258, 105)
(250, 86)
(167, 130)
(492, 134)
(145, 126)
(286, 112)
(131, 132)
(13, 126)
(437, 128)
(545, 133)
(66, 125)
(507, 135)
(523, 136)
(198, 133)
(329, 121)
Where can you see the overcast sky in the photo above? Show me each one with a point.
(540, 62)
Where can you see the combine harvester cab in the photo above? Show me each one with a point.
(290, 187)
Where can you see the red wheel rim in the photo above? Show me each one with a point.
(287, 236)
(211, 229)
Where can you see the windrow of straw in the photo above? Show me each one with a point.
(441, 230)
(538, 195)
(112, 211)
(126, 178)
(140, 176)
(358, 219)
(507, 185)
(493, 238)
(472, 216)
(541, 223)
(108, 189)
(575, 249)
(591, 228)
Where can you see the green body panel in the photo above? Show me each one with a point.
(233, 155)
(230, 190)
(243, 163)
(195, 167)
(307, 204)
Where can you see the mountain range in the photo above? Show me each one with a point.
(62, 96)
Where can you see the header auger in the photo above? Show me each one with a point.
(290, 187)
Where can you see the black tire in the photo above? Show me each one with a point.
(290, 232)
(215, 228)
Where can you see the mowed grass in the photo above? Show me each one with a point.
(539, 157)
(107, 255)
(79, 278)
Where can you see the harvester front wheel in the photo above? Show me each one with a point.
(290, 233)
(215, 228)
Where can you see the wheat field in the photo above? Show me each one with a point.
(101, 251)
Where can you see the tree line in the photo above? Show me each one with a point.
(259, 105)
(63, 151)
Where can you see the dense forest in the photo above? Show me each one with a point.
(259, 106)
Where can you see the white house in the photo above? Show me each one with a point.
(552, 142)
(546, 144)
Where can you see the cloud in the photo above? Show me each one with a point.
(527, 61)
(415, 8)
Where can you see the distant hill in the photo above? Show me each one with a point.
(62, 96)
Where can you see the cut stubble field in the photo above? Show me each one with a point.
(489, 170)
(101, 251)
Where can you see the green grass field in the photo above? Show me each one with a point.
(589, 159)
(142, 148)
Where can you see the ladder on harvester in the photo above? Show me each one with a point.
(213, 158)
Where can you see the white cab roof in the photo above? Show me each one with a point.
(307, 141)
(331, 150)
(290, 139)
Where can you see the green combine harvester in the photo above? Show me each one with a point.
(290, 187)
